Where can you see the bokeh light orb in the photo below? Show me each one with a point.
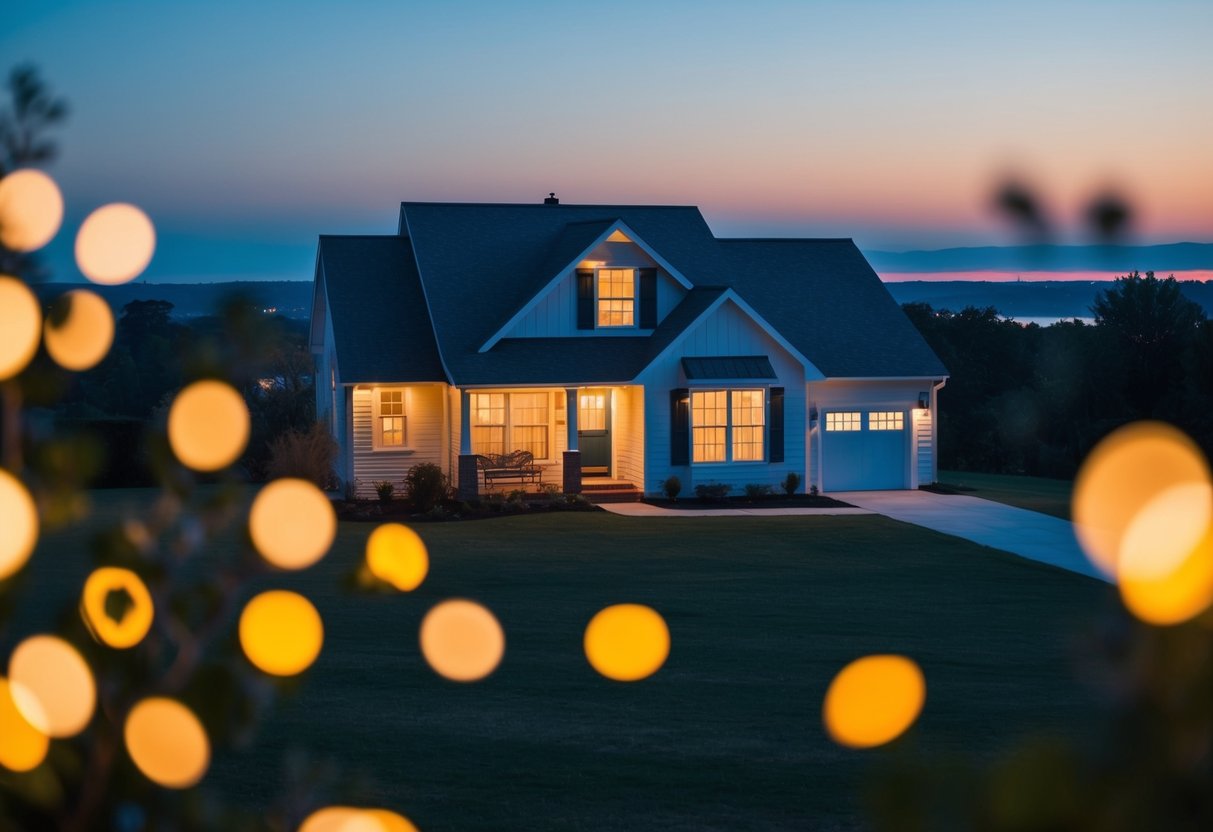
(18, 524)
(627, 642)
(167, 742)
(84, 337)
(397, 555)
(1123, 475)
(22, 746)
(115, 243)
(52, 686)
(20, 326)
(208, 425)
(873, 700)
(116, 607)
(292, 523)
(1176, 595)
(281, 633)
(462, 640)
(350, 819)
(31, 209)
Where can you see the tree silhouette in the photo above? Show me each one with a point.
(23, 125)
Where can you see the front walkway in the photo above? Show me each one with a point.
(646, 510)
(1028, 534)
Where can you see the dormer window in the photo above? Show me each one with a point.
(616, 297)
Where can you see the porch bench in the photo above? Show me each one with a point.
(518, 466)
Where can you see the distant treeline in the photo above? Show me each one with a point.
(1027, 299)
(289, 298)
(1034, 400)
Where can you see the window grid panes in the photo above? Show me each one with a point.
(885, 420)
(527, 428)
(488, 423)
(749, 419)
(616, 297)
(529, 423)
(391, 418)
(592, 415)
(709, 421)
(843, 421)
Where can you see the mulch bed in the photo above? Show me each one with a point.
(373, 511)
(774, 501)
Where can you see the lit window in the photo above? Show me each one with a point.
(885, 420)
(525, 429)
(749, 419)
(591, 412)
(709, 421)
(616, 297)
(391, 419)
(529, 423)
(843, 421)
(488, 423)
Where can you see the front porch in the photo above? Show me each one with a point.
(580, 440)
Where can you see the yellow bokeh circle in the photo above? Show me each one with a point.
(281, 632)
(873, 701)
(167, 742)
(52, 686)
(1121, 476)
(120, 622)
(1177, 595)
(20, 326)
(397, 555)
(627, 642)
(84, 337)
(350, 819)
(22, 746)
(115, 243)
(292, 523)
(31, 209)
(208, 425)
(18, 524)
(462, 640)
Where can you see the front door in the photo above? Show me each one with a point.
(594, 431)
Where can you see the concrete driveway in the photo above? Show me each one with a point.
(1028, 534)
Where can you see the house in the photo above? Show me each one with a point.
(616, 341)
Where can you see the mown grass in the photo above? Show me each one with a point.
(762, 611)
(1035, 493)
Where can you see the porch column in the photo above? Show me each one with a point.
(572, 456)
(469, 475)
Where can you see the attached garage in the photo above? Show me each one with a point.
(865, 450)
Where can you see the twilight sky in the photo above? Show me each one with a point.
(246, 129)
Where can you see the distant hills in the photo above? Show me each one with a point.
(292, 298)
(1120, 259)
(1029, 299)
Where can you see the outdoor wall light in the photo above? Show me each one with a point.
(924, 400)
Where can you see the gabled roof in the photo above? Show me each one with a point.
(380, 323)
(420, 306)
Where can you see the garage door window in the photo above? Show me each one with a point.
(843, 421)
(886, 420)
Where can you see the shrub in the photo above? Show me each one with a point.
(307, 454)
(517, 495)
(385, 490)
(550, 491)
(426, 486)
(712, 492)
(757, 490)
(672, 487)
(790, 483)
(813, 491)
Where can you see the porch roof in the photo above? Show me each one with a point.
(741, 367)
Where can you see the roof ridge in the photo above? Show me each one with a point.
(785, 239)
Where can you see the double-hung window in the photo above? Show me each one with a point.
(728, 425)
(391, 426)
(616, 297)
(507, 422)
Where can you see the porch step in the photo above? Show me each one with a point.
(610, 491)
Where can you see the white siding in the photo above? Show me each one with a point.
(727, 331)
(556, 314)
(627, 434)
(424, 412)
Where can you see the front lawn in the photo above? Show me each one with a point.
(1036, 493)
(762, 612)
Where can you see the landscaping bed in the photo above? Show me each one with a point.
(488, 506)
(770, 501)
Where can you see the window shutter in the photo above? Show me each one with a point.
(648, 298)
(585, 298)
(776, 423)
(680, 426)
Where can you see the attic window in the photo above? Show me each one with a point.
(616, 297)
(618, 236)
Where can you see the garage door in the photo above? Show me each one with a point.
(864, 450)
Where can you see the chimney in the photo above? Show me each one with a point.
(551, 199)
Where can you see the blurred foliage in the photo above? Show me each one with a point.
(1035, 400)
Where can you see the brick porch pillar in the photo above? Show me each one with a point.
(572, 472)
